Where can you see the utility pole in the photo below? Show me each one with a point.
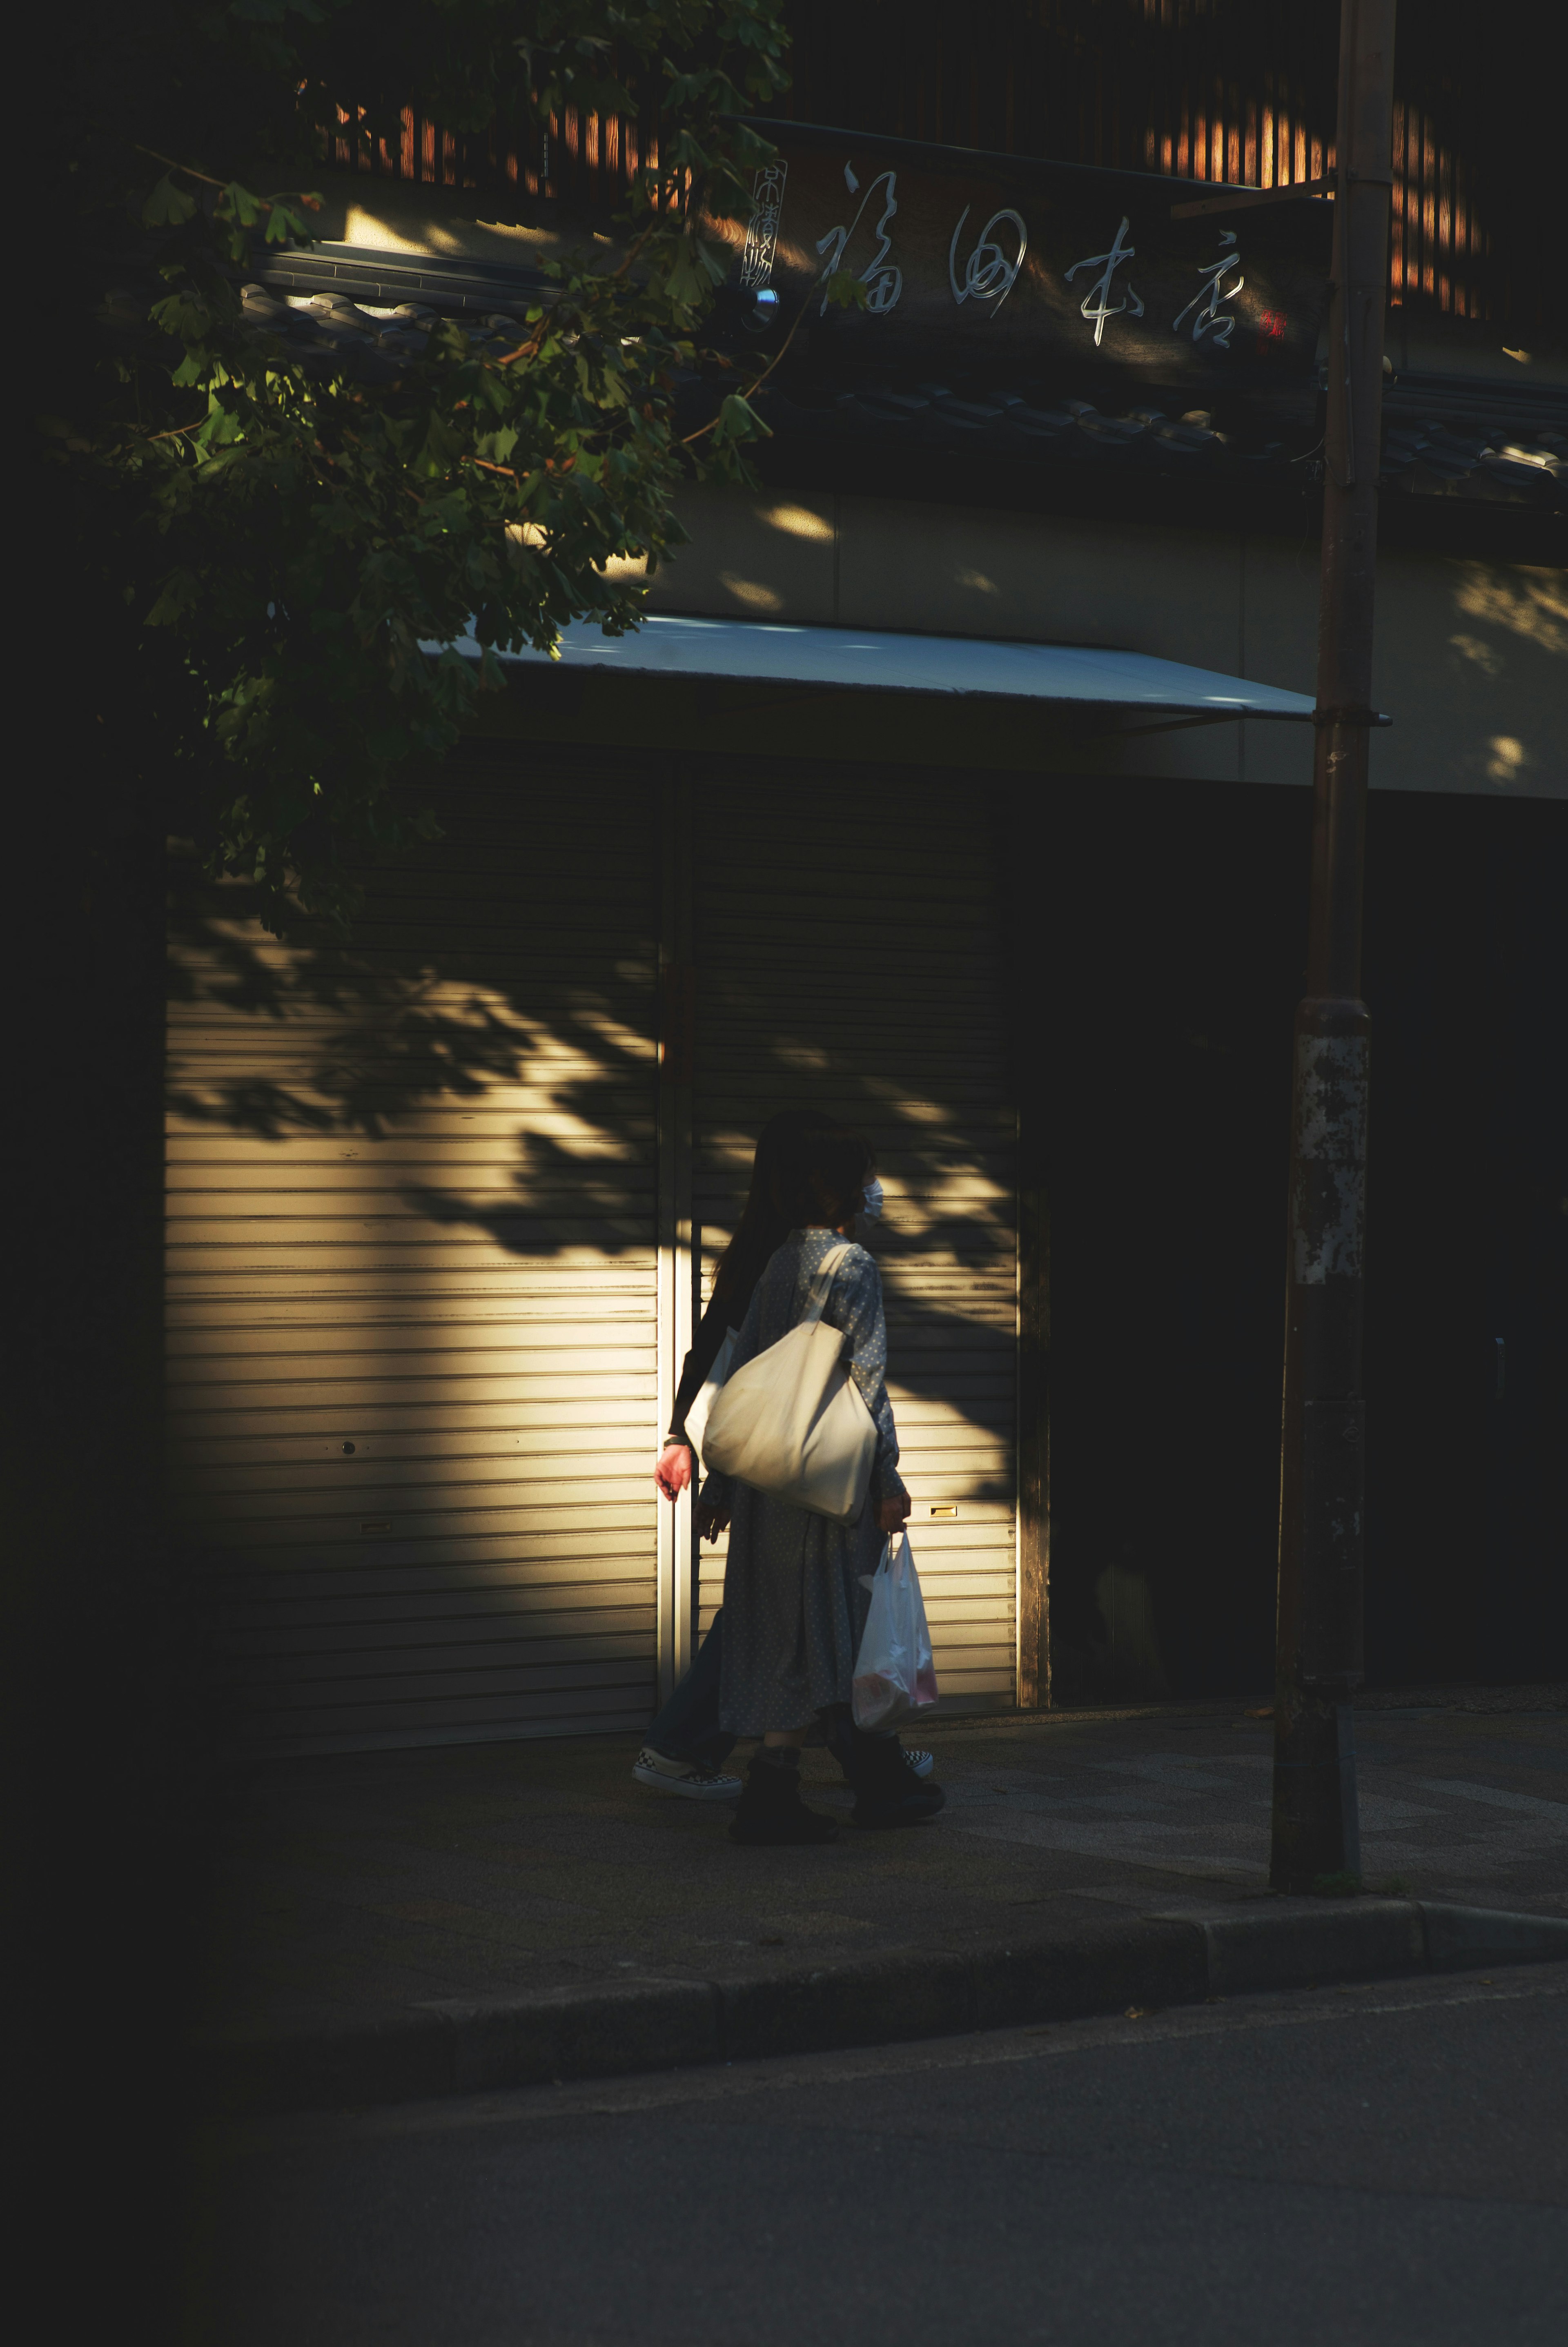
(1323, 1448)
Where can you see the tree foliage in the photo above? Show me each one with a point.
(263, 540)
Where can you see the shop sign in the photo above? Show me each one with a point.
(1040, 260)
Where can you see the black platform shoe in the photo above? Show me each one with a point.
(888, 1792)
(770, 1811)
(839, 1739)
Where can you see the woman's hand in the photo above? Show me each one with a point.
(673, 1473)
(892, 1516)
(710, 1521)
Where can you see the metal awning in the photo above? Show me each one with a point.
(758, 651)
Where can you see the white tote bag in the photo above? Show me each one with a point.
(713, 1385)
(792, 1422)
(893, 1673)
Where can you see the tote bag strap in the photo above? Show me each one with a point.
(816, 1295)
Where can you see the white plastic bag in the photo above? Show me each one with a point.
(894, 1673)
(791, 1421)
(713, 1385)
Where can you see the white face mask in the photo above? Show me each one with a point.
(872, 1206)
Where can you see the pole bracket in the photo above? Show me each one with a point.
(1351, 713)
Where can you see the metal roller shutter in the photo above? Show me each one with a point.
(847, 941)
(412, 1273)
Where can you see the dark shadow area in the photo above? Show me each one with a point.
(1172, 931)
(1467, 1330)
(1172, 921)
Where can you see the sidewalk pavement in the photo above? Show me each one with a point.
(366, 1906)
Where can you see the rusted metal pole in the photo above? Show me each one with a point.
(1323, 1448)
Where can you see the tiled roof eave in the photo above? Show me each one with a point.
(1449, 441)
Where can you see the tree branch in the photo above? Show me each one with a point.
(756, 385)
(266, 203)
(189, 169)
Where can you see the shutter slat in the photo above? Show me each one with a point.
(411, 1206)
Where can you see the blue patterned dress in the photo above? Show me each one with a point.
(793, 1604)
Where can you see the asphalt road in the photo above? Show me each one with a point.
(1383, 2164)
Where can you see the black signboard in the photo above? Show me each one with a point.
(1034, 261)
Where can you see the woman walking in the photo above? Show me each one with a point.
(686, 1747)
(796, 1584)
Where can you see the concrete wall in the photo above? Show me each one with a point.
(1473, 655)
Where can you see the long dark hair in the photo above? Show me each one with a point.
(794, 1147)
(821, 1176)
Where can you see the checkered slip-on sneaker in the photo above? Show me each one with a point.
(688, 1779)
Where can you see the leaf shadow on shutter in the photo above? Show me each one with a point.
(411, 1276)
(412, 1283)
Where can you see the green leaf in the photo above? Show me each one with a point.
(168, 206)
(223, 427)
(846, 291)
(739, 420)
(696, 269)
(183, 315)
(181, 594)
(278, 569)
(245, 207)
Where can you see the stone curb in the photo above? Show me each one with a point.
(463, 2046)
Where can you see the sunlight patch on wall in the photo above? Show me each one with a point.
(750, 592)
(1534, 608)
(798, 521)
(1480, 655)
(1509, 761)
